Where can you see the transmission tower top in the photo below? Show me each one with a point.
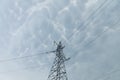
(59, 46)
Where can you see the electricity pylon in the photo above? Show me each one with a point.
(58, 71)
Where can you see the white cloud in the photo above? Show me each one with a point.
(40, 23)
(90, 3)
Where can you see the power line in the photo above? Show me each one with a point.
(89, 17)
(98, 9)
(98, 36)
(22, 57)
(58, 68)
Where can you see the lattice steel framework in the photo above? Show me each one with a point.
(58, 71)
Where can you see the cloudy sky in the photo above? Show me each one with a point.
(88, 28)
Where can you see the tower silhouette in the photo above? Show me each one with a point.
(58, 70)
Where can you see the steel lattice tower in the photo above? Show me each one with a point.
(58, 71)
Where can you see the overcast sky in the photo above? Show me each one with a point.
(89, 29)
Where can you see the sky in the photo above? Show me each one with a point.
(89, 29)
